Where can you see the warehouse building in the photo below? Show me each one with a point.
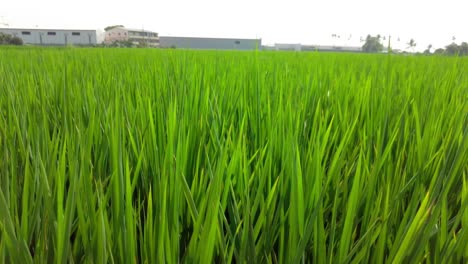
(331, 48)
(136, 36)
(53, 37)
(288, 46)
(210, 43)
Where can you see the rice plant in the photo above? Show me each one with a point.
(168, 156)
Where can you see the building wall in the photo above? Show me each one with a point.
(143, 36)
(116, 34)
(209, 43)
(331, 48)
(288, 46)
(53, 36)
(134, 35)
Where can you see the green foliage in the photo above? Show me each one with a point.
(439, 51)
(121, 44)
(428, 50)
(454, 49)
(176, 156)
(16, 41)
(6, 39)
(372, 44)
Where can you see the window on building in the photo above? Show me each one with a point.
(76, 33)
(237, 42)
(25, 33)
(119, 33)
(125, 33)
(51, 33)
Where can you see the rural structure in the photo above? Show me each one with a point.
(135, 36)
(321, 48)
(289, 47)
(331, 48)
(146, 38)
(210, 43)
(53, 37)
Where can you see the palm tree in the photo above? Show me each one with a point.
(411, 44)
(428, 50)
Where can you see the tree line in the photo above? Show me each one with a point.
(373, 45)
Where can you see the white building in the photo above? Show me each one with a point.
(210, 43)
(136, 36)
(322, 48)
(53, 36)
(288, 46)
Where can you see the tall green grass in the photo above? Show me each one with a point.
(166, 156)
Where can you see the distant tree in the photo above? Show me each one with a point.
(464, 49)
(16, 41)
(452, 49)
(412, 44)
(428, 50)
(372, 44)
(439, 51)
(6, 39)
(111, 27)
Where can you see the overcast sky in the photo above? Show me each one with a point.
(275, 21)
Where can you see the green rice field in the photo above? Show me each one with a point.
(177, 156)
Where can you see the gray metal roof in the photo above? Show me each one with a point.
(47, 29)
(209, 38)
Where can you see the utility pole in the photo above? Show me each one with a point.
(144, 35)
(389, 44)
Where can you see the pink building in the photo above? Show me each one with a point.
(136, 36)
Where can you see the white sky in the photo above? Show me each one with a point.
(275, 21)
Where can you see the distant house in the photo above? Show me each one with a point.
(53, 37)
(136, 36)
(210, 43)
